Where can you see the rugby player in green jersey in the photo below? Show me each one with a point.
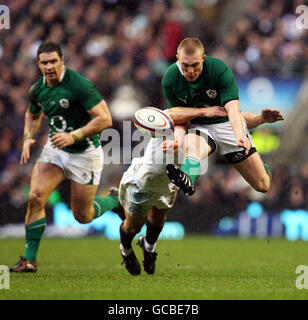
(76, 115)
(196, 81)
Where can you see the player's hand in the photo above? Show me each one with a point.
(245, 143)
(271, 115)
(211, 112)
(61, 140)
(25, 154)
(170, 146)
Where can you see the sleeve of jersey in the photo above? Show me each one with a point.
(33, 107)
(171, 99)
(88, 94)
(228, 85)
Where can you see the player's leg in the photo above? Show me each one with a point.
(196, 149)
(155, 222)
(128, 229)
(84, 170)
(35, 221)
(255, 172)
(86, 206)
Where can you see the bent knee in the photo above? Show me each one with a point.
(263, 185)
(82, 218)
(132, 229)
(36, 199)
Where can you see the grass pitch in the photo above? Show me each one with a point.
(196, 268)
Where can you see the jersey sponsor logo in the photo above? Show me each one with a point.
(211, 93)
(58, 123)
(64, 103)
(184, 100)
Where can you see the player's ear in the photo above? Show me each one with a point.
(177, 56)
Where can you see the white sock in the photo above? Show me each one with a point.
(125, 252)
(149, 247)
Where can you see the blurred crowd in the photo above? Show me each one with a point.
(265, 40)
(124, 47)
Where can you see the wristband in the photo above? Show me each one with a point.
(26, 136)
(77, 134)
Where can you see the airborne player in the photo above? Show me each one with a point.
(196, 81)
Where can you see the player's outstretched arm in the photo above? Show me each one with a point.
(267, 115)
(101, 120)
(31, 127)
(181, 115)
(233, 109)
(172, 146)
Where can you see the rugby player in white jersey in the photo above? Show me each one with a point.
(147, 194)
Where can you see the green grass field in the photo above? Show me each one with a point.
(197, 268)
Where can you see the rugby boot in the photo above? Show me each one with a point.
(132, 264)
(149, 257)
(180, 179)
(24, 265)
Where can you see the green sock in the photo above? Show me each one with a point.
(268, 170)
(34, 232)
(192, 167)
(101, 205)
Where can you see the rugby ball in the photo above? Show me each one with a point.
(153, 122)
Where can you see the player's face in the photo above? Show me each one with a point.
(191, 64)
(51, 66)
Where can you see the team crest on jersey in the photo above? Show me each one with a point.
(64, 103)
(211, 93)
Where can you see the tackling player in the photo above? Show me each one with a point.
(76, 115)
(147, 195)
(196, 81)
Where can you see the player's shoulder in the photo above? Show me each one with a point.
(74, 76)
(215, 66)
(35, 88)
(171, 75)
(76, 82)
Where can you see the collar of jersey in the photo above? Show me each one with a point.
(61, 78)
(199, 78)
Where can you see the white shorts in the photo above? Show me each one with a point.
(223, 135)
(141, 189)
(84, 167)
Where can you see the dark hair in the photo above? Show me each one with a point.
(49, 46)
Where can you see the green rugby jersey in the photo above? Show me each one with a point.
(66, 105)
(214, 87)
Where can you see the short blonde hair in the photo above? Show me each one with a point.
(190, 46)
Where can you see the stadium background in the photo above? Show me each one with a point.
(124, 47)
